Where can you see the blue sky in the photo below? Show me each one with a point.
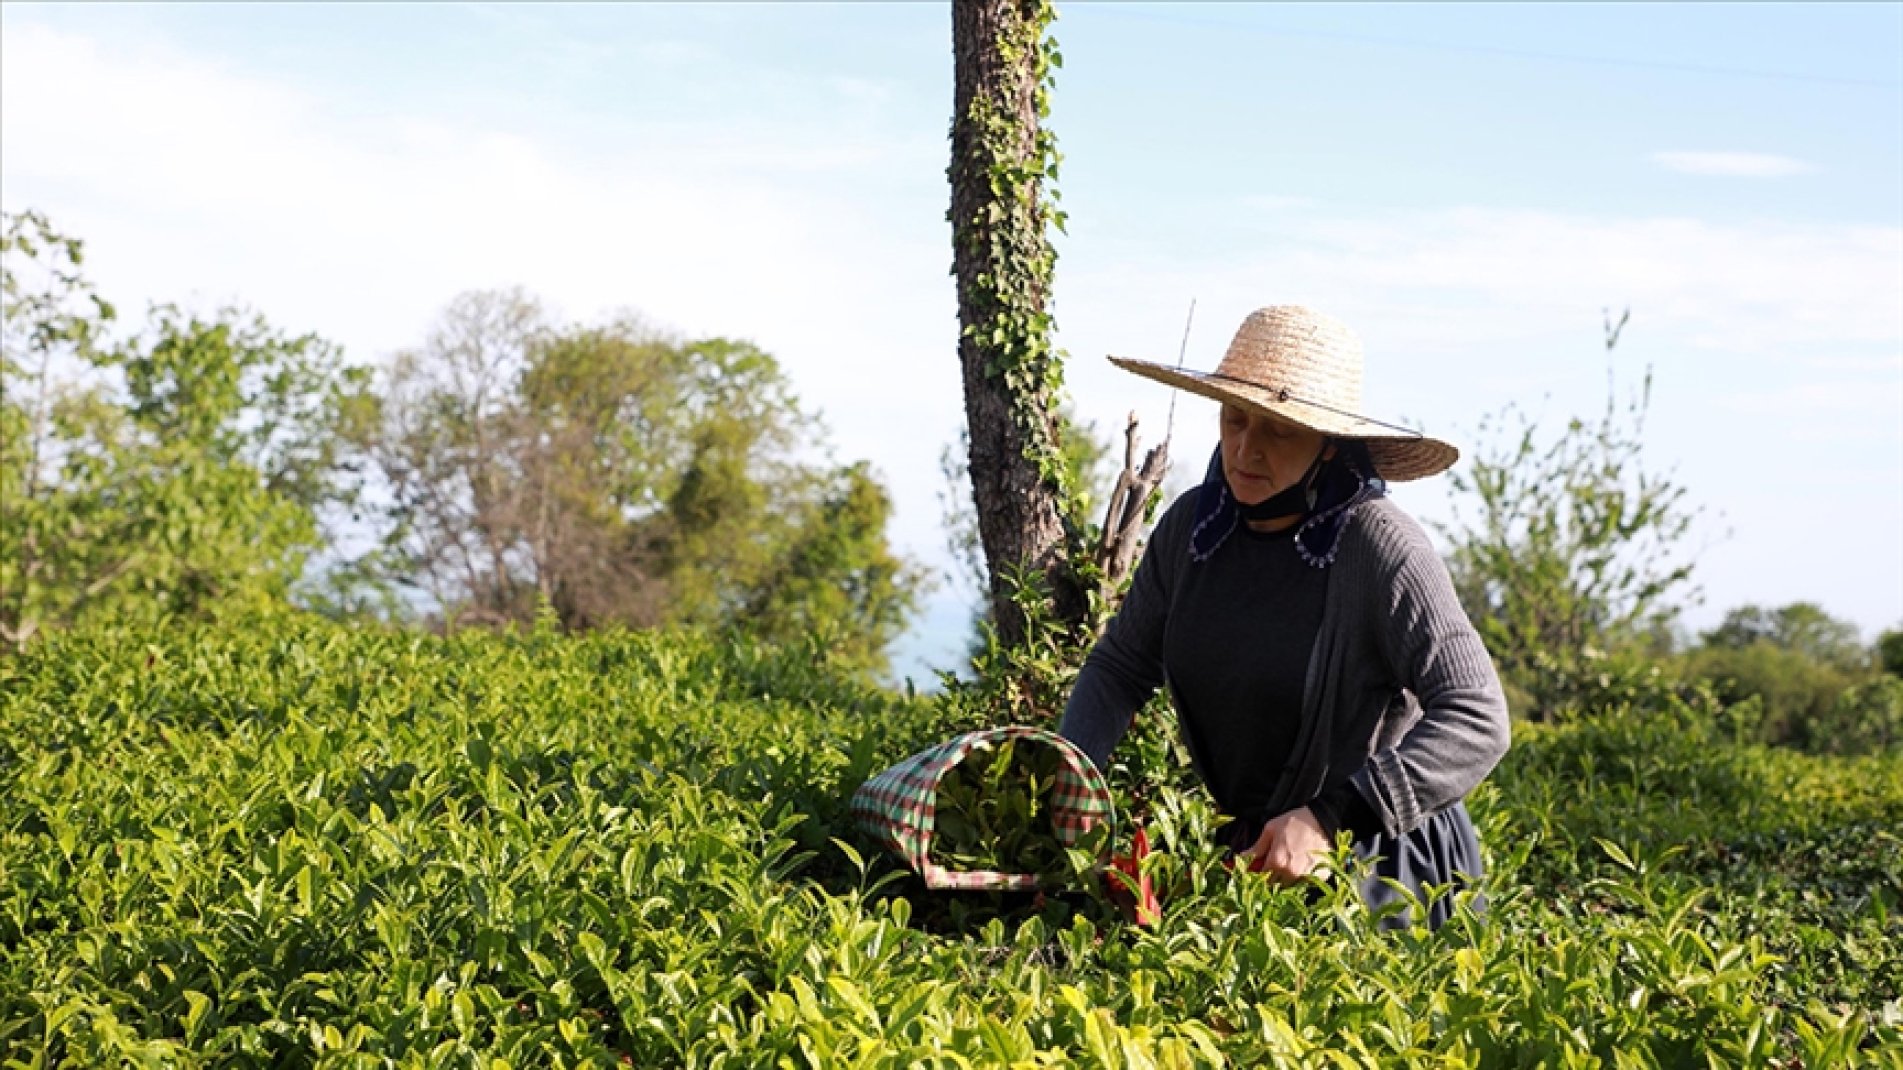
(1467, 185)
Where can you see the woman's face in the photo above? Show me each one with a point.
(1262, 454)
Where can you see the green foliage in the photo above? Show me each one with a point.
(1026, 682)
(1866, 718)
(1799, 851)
(1801, 627)
(993, 813)
(612, 473)
(50, 305)
(1889, 652)
(622, 475)
(837, 581)
(1790, 690)
(1086, 459)
(1794, 666)
(185, 472)
(287, 842)
(1567, 549)
(721, 500)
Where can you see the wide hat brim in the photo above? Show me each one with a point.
(1398, 456)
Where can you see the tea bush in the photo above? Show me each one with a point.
(292, 843)
(1867, 717)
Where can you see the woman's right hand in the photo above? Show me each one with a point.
(1292, 846)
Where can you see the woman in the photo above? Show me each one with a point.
(1324, 676)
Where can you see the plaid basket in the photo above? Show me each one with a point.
(899, 807)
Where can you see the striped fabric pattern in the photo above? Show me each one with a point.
(899, 806)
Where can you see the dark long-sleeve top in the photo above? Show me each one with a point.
(1399, 713)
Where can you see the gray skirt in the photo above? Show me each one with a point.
(1443, 851)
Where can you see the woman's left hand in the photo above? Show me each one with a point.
(1292, 846)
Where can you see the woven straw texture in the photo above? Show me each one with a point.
(899, 807)
(1300, 365)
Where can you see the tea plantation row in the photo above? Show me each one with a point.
(291, 843)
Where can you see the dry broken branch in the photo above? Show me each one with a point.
(1124, 513)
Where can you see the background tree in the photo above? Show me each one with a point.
(1801, 627)
(1890, 651)
(186, 471)
(51, 317)
(446, 449)
(1798, 664)
(837, 582)
(621, 475)
(1002, 256)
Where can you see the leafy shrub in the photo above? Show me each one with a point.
(1798, 849)
(1029, 682)
(1864, 719)
(1792, 689)
(1890, 652)
(1798, 664)
(290, 843)
(186, 472)
(1567, 545)
(1593, 681)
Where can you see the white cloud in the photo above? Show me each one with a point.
(1449, 282)
(1836, 399)
(1732, 164)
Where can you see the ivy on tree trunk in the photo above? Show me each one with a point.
(1003, 259)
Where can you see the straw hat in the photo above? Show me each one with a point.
(1304, 367)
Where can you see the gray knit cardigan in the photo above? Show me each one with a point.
(1401, 699)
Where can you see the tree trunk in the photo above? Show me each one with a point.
(1003, 259)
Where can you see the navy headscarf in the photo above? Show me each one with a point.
(1345, 481)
